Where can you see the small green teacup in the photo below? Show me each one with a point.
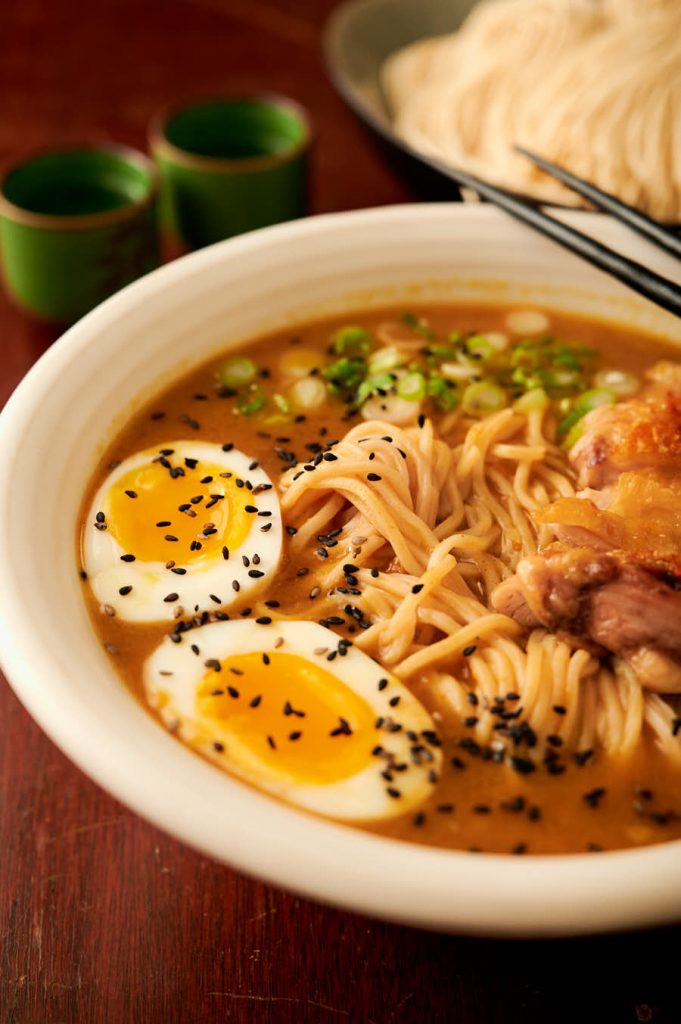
(230, 165)
(75, 226)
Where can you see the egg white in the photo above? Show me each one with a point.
(203, 581)
(173, 673)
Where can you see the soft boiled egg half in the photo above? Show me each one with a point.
(296, 710)
(182, 528)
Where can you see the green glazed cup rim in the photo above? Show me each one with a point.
(85, 221)
(163, 148)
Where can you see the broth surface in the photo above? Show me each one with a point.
(605, 802)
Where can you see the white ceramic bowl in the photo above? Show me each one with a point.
(81, 391)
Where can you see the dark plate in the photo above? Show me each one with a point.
(358, 38)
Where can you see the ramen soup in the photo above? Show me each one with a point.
(415, 570)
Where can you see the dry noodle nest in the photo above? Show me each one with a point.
(591, 84)
(447, 513)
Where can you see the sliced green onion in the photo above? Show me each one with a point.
(282, 403)
(574, 434)
(352, 341)
(497, 340)
(566, 357)
(391, 409)
(417, 326)
(532, 401)
(458, 371)
(346, 374)
(438, 352)
(251, 401)
(412, 387)
(442, 393)
(623, 384)
(236, 372)
(560, 378)
(478, 347)
(483, 397)
(308, 393)
(380, 383)
(387, 358)
(593, 399)
(528, 379)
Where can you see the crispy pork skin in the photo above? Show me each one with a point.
(633, 435)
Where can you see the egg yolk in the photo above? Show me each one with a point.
(301, 721)
(157, 516)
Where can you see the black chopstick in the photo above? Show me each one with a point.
(646, 282)
(636, 220)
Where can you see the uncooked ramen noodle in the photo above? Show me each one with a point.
(594, 85)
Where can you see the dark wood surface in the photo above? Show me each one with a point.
(103, 918)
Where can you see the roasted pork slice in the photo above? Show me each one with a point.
(606, 601)
(632, 435)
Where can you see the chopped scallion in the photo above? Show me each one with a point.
(483, 397)
(412, 387)
(352, 341)
(251, 401)
(236, 372)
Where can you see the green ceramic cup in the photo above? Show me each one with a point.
(75, 226)
(230, 165)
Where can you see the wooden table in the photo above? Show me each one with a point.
(103, 918)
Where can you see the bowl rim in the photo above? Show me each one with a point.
(525, 896)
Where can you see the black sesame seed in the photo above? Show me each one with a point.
(581, 757)
(263, 620)
(123, 591)
(594, 796)
(255, 574)
(294, 736)
(559, 709)
(417, 588)
(394, 793)
(467, 651)
(169, 598)
(233, 692)
(523, 765)
(482, 809)
(470, 720)
(373, 477)
(171, 538)
(225, 553)
(217, 746)
(127, 558)
(270, 740)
